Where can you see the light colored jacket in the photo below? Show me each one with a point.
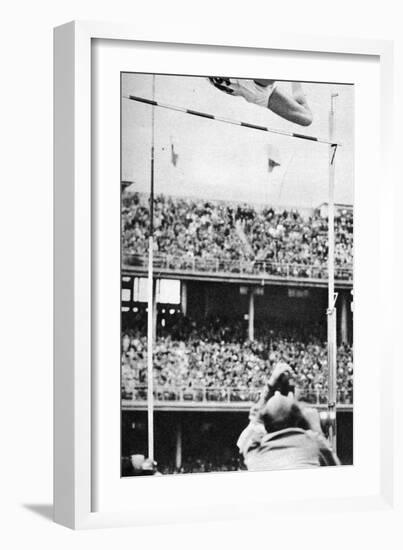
(285, 449)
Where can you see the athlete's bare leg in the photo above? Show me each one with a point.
(291, 107)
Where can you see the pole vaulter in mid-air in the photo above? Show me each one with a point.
(293, 107)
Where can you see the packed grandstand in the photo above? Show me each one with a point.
(214, 360)
(216, 235)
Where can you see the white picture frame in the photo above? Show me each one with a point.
(75, 394)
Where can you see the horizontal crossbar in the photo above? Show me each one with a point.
(234, 122)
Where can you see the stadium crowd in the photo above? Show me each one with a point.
(190, 465)
(279, 241)
(199, 465)
(214, 361)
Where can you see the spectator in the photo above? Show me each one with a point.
(280, 434)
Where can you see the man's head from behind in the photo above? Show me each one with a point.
(281, 412)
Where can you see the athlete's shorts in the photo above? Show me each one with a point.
(248, 89)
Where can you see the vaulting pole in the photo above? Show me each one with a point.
(151, 290)
(331, 311)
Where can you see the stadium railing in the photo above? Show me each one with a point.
(250, 267)
(225, 395)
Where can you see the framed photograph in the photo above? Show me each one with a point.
(219, 232)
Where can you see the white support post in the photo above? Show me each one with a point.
(151, 291)
(178, 450)
(251, 315)
(150, 345)
(184, 298)
(331, 311)
(156, 283)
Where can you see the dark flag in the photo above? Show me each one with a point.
(174, 156)
(273, 158)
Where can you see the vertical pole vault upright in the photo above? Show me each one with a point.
(150, 312)
(331, 310)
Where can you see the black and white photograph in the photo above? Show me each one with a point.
(237, 226)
